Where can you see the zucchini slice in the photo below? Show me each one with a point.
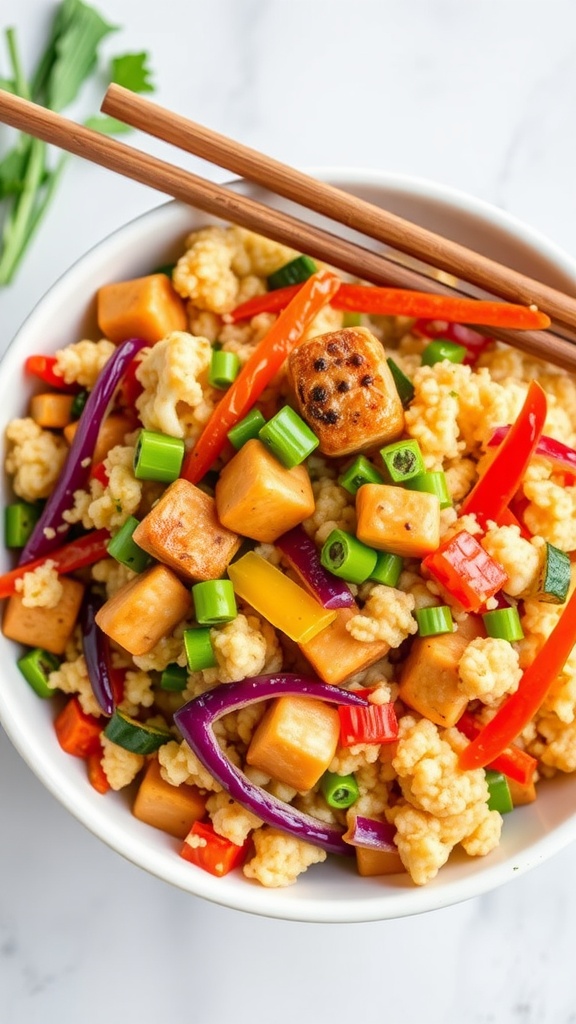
(554, 579)
(138, 737)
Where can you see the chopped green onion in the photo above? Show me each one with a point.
(78, 403)
(388, 569)
(402, 460)
(20, 519)
(504, 624)
(138, 737)
(499, 797)
(246, 429)
(434, 620)
(158, 457)
(36, 666)
(440, 349)
(296, 271)
(340, 791)
(224, 368)
(124, 548)
(360, 472)
(199, 650)
(554, 579)
(288, 437)
(214, 602)
(351, 319)
(346, 556)
(174, 678)
(404, 385)
(434, 481)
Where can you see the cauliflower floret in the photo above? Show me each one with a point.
(432, 417)
(551, 512)
(242, 337)
(280, 858)
(178, 764)
(72, 677)
(173, 398)
(230, 819)
(204, 273)
(120, 766)
(41, 588)
(334, 510)
(137, 692)
(387, 615)
(122, 494)
(555, 743)
(257, 256)
(460, 476)
(245, 647)
(521, 559)
(34, 458)
(83, 362)
(488, 670)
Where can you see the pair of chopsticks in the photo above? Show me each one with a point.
(341, 207)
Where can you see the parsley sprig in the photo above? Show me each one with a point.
(29, 172)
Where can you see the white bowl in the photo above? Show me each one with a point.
(330, 892)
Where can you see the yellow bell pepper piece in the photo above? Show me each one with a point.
(281, 601)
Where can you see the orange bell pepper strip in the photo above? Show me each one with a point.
(213, 853)
(513, 762)
(361, 298)
(497, 486)
(520, 708)
(90, 548)
(78, 733)
(262, 366)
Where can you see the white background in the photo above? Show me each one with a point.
(479, 94)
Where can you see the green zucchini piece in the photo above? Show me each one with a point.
(554, 578)
(138, 737)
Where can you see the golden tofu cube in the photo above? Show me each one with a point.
(394, 519)
(183, 531)
(378, 862)
(343, 388)
(295, 741)
(174, 809)
(429, 676)
(145, 609)
(257, 496)
(49, 628)
(334, 653)
(146, 307)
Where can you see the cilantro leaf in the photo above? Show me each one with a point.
(131, 70)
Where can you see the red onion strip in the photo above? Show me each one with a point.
(77, 466)
(558, 453)
(195, 722)
(372, 835)
(96, 648)
(301, 553)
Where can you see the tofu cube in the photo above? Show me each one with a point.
(49, 628)
(397, 520)
(295, 741)
(174, 809)
(344, 389)
(429, 676)
(183, 531)
(145, 307)
(145, 609)
(335, 654)
(257, 496)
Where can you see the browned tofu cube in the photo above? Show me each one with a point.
(335, 654)
(145, 609)
(344, 390)
(49, 628)
(184, 532)
(174, 809)
(145, 307)
(378, 862)
(259, 497)
(429, 676)
(295, 741)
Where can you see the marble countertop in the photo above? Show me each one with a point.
(477, 95)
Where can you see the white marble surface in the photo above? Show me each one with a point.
(477, 94)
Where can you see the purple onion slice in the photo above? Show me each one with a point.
(195, 721)
(371, 834)
(300, 551)
(95, 646)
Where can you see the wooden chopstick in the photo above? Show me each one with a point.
(332, 202)
(230, 206)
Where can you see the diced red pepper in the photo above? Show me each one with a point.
(130, 388)
(43, 368)
(513, 762)
(214, 853)
(78, 733)
(376, 723)
(90, 548)
(98, 472)
(96, 774)
(465, 571)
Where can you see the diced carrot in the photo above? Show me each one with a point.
(211, 852)
(51, 410)
(78, 733)
(96, 774)
(378, 862)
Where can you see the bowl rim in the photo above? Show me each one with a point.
(401, 902)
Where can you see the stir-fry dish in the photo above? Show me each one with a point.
(294, 562)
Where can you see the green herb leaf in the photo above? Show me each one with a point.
(131, 71)
(76, 52)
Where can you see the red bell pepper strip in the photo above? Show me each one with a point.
(78, 733)
(214, 854)
(90, 548)
(519, 709)
(465, 571)
(262, 366)
(473, 342)
(513, 762)
(269, 302)
(373, 723)
(99, 473)
(361, 298)
(43, 368)
(496, 487)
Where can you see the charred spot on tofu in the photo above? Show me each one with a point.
(343, 388)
